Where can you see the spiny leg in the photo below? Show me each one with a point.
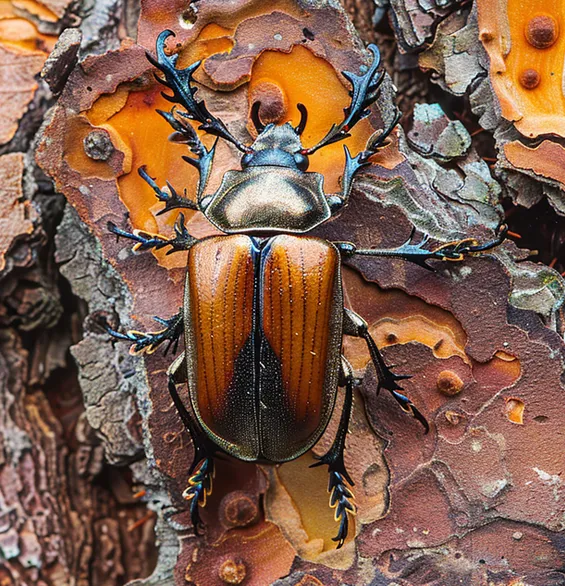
(354, 325)
(201, 471)
(377, 140)
(341, 497)
(180, 81)
(146, 241)
(201, 161)
(416, 253)
(149, 341)
(170, 198)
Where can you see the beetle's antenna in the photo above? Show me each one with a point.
(255, 118)
(303, 119)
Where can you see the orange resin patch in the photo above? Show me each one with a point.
(546, 160)
(514, 409)
(526, 45)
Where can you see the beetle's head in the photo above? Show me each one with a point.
(277, 146)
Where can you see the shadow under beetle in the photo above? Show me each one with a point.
(263, 316)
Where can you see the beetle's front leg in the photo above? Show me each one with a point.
(417, 254)
(355, 325)
(149, 341)
(377, 140)
(341, 497)
(146, 241)
(201, 472)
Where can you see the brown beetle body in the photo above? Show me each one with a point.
(263, 316)
(263, 338)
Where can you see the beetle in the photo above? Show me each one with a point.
(263, 316)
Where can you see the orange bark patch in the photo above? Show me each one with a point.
(21, 32)
(111, 159)
(16, 216)
(146, 135)
(49, 11)
(305, 515)
(500, 370)
(514, 409)
(526, 45)
(17, 78)
(546, 160)
(298, 500)
(212, 39)
(397, 318)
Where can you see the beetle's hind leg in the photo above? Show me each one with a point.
(341, 497)
(201, 471)
(149, 341)
(354, 325)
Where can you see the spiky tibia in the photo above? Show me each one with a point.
(199, 489)
(455, 251)
(147, 241)
(201, 471)
(341, 497)
(355, 325)
(170, 198)
(343, 501)
(148, 342)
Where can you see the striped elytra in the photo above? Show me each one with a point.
(264, 339)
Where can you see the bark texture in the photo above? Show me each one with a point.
(93, 457)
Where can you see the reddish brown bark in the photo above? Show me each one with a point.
(93, 457)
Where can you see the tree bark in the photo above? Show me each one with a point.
(94, 459)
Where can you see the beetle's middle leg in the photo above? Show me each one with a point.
(201, 471)
(341, 497)
(415, 253)
(355, 325)
(182, 240)
(149, 341)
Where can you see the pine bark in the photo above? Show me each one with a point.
(93, 459)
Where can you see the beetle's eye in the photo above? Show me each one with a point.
(302, 161)
(246, 160)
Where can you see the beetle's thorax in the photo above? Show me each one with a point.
(273, 192)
